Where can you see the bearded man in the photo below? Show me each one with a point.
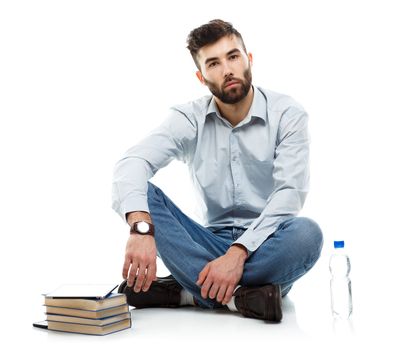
(247, 150)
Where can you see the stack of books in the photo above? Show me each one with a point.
(86, 312)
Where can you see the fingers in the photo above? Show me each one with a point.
(141, 254)
(213, 291)
(215, 287)
(126, 266)
(221, 293)
(206, 287)
(150, 277)
(228, 294)
(202, 275)
(209, 287)
(132, 274)
(204, 281)
(141, 275)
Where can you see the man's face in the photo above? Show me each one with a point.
(225, 69)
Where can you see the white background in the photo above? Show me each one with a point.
(82, 81)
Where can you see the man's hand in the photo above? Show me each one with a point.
(219, 277)
(141, 258)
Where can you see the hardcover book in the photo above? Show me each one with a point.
(89, 329)
(82, 291)
(90, 321)
(55, 310)
(112, 300)
(86, 309)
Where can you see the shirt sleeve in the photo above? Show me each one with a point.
(173, 139)
(290, 176)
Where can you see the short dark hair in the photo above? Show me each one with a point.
(210, 33)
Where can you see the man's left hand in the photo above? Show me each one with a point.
(219, 277)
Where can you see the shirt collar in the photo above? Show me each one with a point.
(258, 108)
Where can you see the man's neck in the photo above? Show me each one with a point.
(236, 112)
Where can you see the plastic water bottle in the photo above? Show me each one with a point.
(340, 284)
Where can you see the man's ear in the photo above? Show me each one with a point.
(250, 56)
(200, 77)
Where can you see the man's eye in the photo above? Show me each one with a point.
(233, 57)
(212, 64)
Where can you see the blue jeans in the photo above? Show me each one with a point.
(186, 247)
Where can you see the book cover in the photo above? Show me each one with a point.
(111, 300)
(82, 291)
(113, 311)
(89, 329)
(89, 321)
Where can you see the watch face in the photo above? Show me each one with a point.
(143, 227)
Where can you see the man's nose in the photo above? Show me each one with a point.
(226, 69)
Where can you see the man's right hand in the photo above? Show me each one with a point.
(141, 260)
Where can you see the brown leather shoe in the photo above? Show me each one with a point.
(260, 302)
(164, 292)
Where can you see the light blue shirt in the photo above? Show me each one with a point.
(253, 175)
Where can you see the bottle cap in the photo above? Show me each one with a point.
(338, 244)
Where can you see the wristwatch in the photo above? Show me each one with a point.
(142, 228)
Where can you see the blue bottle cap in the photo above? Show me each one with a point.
(338, 244)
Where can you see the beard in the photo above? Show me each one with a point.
(234, 94)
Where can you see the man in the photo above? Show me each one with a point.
(247, 153)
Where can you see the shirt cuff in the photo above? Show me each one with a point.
(132, 203)
(252, 239)
(247, 250)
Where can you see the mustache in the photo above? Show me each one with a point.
(230, 79)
